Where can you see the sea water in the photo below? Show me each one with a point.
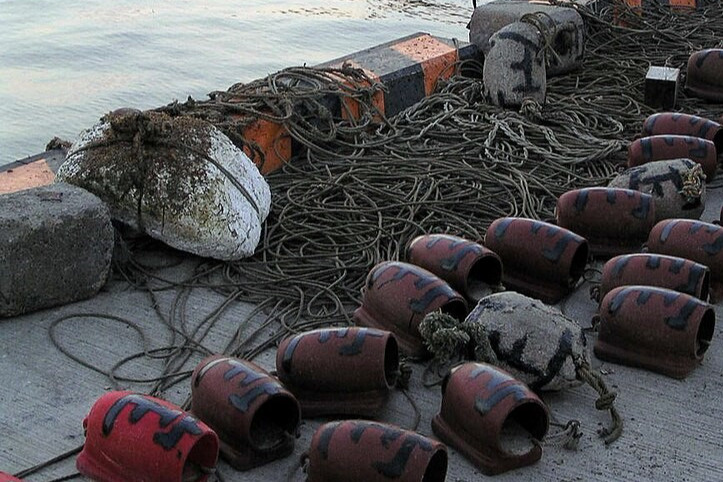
(65, 63)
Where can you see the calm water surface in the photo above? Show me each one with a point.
(65, 63)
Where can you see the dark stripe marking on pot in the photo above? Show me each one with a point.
(167, 440)
(452, 263)
(677, 322)
(289, 353)
(242, 404)
(499, 392)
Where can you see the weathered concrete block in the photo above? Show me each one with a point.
(179, 180)
(514, 69)
(661, 87)
(677, 187)
(55, 247)
(563, 25)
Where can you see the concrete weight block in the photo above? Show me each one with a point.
(564, 27)
(56, 243)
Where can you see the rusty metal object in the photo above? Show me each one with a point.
(397, 296)
(671, 146)
(614, 221)
(695, 240)
(467, 266)
(540, 259)
(335, 371)
(679, 274)
(363, 451)
(491, 418)
(686, 125)
(705, 74)
(129, 436)
(654, 328)
(255, 417)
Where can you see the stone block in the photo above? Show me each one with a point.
(55, 247)
(563, 25)
(661, 87)
(514, 69)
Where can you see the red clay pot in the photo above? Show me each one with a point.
(483, 407)
(129, 436)
(664, 147)
(255, 417)
(679, 274)
(334, 371)
(8, 478)
(540, 259)
(686, 125)
(397, 296)
(362, 451)
(705, 74)
(467, 266)
(614, 221)
(695, 240)
(654, 328)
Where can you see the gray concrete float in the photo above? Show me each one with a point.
(563, 26)
(55, 247)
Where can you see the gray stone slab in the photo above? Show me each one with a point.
(55, 247)
(672, 427)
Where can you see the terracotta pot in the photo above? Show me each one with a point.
(8, 478)
(129, 436)
(705, 74)
(654, 328)
(678, 274)
(362, 451)
(540, 259)
(664, 147)
(255, 417)
(334, 371)
(467, 266)
(686, 125)
(695, 240)
(397, 296)
(491, 418)
(614, 221)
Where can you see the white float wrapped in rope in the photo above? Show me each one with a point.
(180, 180)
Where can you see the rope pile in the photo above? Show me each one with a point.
(450, 164)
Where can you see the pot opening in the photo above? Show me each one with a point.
(391, 361)
(437, 467)
(201, 460)
(523, 429)
(274, 423)
(457, 309)
(718, 141)
(563, 44)
(705, 332)
(579, 261)
(485, 272)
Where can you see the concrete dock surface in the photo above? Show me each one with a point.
(673, 428)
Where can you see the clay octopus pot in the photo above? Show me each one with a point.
(8, 478)
(678, 274)
(339, 371)
(614, 221)
(664, 147)
(654, 328)
(363, 451)
(491, 418)
(467, 266)
(129, 436)
(540, 259)
(255, 417)
(397, 296)
(705, 74)
(695, 240)
(686, 125)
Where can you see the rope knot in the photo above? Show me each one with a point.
(693, 184)
(605, 401)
